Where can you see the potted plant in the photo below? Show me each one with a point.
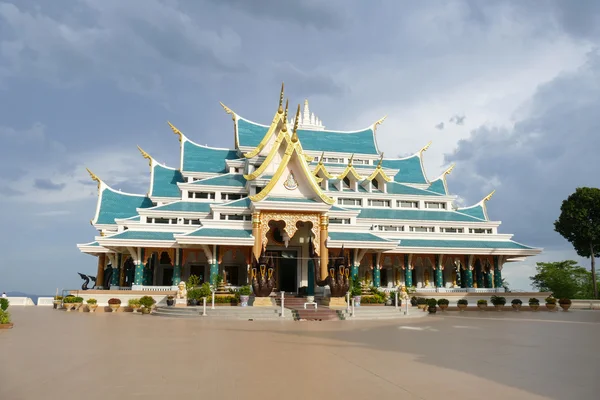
(498, 302)
(355, 292)
(204, 291)
(114, 304)
(421, 303)
(57, 301)
(192, 296)
(565, 304)
(534, 303)
(68, 302)
(92, 304)
(5, 319)
(462, 304)
(516, 304)
(170, 300)
(443, 303)
(244, 293)
(550, 303)
(78, 301)
(432, 306)
(134, 304)
(146, 302)
(413, 301)
(482, 304)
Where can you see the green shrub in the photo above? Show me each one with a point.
(372, 299)
(431, 302)
(4, 317)
(58, 297)
(4, 303)
(92, 301)
(534, 301)
(192, 282)
(225, 299)
(443, 302)
(421, 300)
(498, 300)
(516, 301)
(204, 290)
(550, 300)
(133, 303)
(147, 301)
(245, 291)
(482, 302)
(355, 287)
(463, 301)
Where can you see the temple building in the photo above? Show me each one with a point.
(281, 186)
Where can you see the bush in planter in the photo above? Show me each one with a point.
(133, 303)
(421, 301)
(413, 301)
(245, 291)
(147, 302)
(192, 282)
(4, 303)
(4, 317)
(92, 301)
(226, 299)
(114, 301)
(431, 303)
(498, 300)
(534, 301)
(462, 302)
(482, 303)
(550, 300)
(443, 302)
(564, 301)
(193, 295)
(516, 302)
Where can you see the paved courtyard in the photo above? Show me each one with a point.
(53, 355)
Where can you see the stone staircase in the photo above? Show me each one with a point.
(220, 312)
(380, 313)
(295, 305)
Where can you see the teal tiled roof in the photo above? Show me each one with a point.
(231, 180)
(462, 244)
(216, 232)
(476, 211)
(362, 142)
(410, 169)
(338, 208)
(144, 235)
(185, 206)
(438, 186)
(418, 215)
(164, 183)
(398, 188)
(356, 237)
(198, 158)
(115, 204)
(241, 203)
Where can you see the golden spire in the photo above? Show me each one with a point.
(280, 110)
(227, 110)
(378, 122)
(145, 155)
(295, 135)
(321, 158)
(176, 131)
(379, 164)
(94, 177)
(425, 147)
(350, 160)
(446, 172)
(489, 196)
(285, 116)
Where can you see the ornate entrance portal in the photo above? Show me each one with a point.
(286, 269)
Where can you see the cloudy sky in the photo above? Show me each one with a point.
(509, 91)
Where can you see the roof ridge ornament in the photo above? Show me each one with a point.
(449, 170)
(350, 160)
(295, 133)
(146, 156)
(378, 122)
(94, 178)
(285, 116)
(380, 163)
(228, 110)
(280, 109)
(424, 148)
(489, 196)
(309, 121)
(176, 131)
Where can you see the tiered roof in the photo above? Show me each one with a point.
(267, 158)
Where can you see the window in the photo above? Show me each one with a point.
(452, 230)
(191, 221)
(391, 228)
(435, 205)
(165, 220)
(259, 189)
(360, 162)
(231, 196)
(379, 203)
(480, 230)
(148, 220)
(408, 204)
(375, 183)
(422, 229)
(345, 221)
(202, 195)
(350, 202)
(236, 217)
(346, 183)
(333, 160)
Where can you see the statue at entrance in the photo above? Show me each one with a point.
(263, 278)
(338, 278)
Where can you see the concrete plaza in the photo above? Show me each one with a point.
(52, 354)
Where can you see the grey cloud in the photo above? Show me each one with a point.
(47, 184)
(440, 126)
(307, 83)
(540, 161)
(458, 119)
(9, 192)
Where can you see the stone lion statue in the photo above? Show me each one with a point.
(182, 292)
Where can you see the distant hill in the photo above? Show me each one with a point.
(33, 297)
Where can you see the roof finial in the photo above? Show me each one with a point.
(285, 116)
(489, 196)
(321, 158)
(350, 160)
(378, 122)
(425, 147)
(280, 110)
(94, 177)
(145, 155)
(379, 164)
(228, 110)
(295, 135)
(446, 172)
(176, 131)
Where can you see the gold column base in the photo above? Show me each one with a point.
(334, 302)
(263, 302)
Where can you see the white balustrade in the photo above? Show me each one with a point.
(20, 301)
(45, 301)
(154, 288)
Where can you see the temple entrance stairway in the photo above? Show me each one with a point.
(221, 312)
(295, 305)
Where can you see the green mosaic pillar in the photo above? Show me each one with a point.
(463, 277)
(439, 274)
(354, 266)
(114, 280)
(408, 281)
(311, 278)
(376, 272)
(479, 274)
(468, 274)
(148, 271)
(139, 270)
(177, 268)
(497, 272)
(489, 279)
(214, 267)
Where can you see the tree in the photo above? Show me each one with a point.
(579, 223)
(565, 279)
